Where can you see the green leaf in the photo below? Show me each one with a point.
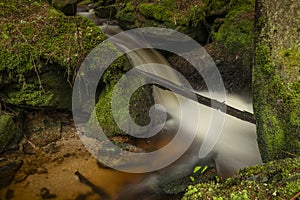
(204, 169)
(196, 169)
(192, 178)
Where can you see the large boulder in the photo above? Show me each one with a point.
(276, 84)
(41, 50)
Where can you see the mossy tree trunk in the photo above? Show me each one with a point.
(276, 78)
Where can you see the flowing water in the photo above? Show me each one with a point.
(237, 145)
(235, 149)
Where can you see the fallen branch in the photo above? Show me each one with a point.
(190, 94)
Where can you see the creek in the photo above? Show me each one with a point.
(68, 171)
(237, 145)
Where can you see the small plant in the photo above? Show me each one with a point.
(197, 169)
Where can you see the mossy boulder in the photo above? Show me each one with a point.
(140, 101)
(11, 130)
(236, 33)
(232, 31)
(105, 9)
(275, 180)
(68, 7)
(108, 12)
(41, 50)
(184, 16)
(276, 78)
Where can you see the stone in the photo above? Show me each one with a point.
(68, 7)
(8, 170)
(276, 86)
(11, 130)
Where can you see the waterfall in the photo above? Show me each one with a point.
(237, 146)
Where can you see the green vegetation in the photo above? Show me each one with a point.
(275, 180)
(103, 106)
(66, 6)
(140, 101)
(183, 16)
(41, 50)
(172, 12)
(279, 128)
(276, 82)
(236, 33)
(10, 130)
(126, 16)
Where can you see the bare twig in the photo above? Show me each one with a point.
(37, 74)
(296, 196)
(21, 34)
(291, 154)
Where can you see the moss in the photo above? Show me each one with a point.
(184, 16)
(155, 11)
(106, 11)
(276, 81)
(126, 16)
(214, 7)
(69, 7)
(103, 106)
(236, 33)
(140, 100)
(274, 180)
(54, 91)
(169, 12)
(10, 130)
(278, 128)
(41, 39)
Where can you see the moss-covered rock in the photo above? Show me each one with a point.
(11, 130)
(276, 79)
(68, 7)
(184, 16)
(41, 50)
(126, 16)
(105, 9)
(140, 101)
(108, 12)
(274, 180)
(236, 33)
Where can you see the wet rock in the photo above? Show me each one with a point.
(45, 194)
(27, 148)
(42, 170)
(39, 75)
(106, 11)
(9, 194)
(8, 170)
(11, 130)
(43, 129)
(20, 177)
(273, 180)
(51, 148)
(69, 7)
(32, 171)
